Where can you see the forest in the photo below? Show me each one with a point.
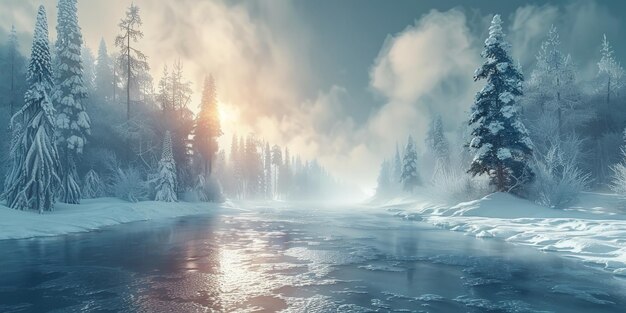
(541, 133)
(82, 126)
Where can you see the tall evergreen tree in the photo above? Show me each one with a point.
(277, 161)
(34, 182)
(410, 176)
(72, 121)
(14, 68)
(502, 148)
(89, 69)
(131, 62)
(207, 128)
(166, 182)
(267, 162)
(438, 144)
(104, 82)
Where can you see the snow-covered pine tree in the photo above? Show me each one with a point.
(501, 145)
(207, 127)
(35, 159)
(72, 121)
(438, 145)
(93, 186)
(610, 72)
(551, 94)
(89, 69)
(104, 73)
(166, 182)
(410, 176)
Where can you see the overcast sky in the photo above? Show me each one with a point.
(340, 81)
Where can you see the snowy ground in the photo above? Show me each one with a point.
(593, 229)
(89, 215)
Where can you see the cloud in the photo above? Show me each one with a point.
(423, 71)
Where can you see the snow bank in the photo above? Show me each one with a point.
(89, 215)
(593, 230)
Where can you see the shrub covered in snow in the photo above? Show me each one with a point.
(618, 183)
(129, 185)
(558, 179)
(93, 186)
(454, 184)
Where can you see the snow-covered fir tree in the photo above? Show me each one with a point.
(104, 73)
(610, 72)
(207, 127)
(166, 182)
(438, 145)
(501, 145)
(35, 181)
(72, 121)
(89, 69)
(410, 176)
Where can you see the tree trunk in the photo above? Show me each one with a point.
(500, 184)
(12, 80)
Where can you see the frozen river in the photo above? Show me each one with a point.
(308, 259)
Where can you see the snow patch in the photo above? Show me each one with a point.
(90, 215)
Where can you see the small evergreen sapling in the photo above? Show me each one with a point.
(410, 176)
(166, 182)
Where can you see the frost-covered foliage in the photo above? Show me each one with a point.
(610, 72)
(454, 185)
(559, 179)
(34, 179)
(500, 141)
(72, 121)
(129, 185)
(410, 176)
(166, 181)
(552, 91)
(618, 181)
(93, 186)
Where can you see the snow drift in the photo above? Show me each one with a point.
(593, 229)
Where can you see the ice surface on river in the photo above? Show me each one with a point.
(270, 260)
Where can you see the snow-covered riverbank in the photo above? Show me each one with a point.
(90, 215)
(593, 229)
